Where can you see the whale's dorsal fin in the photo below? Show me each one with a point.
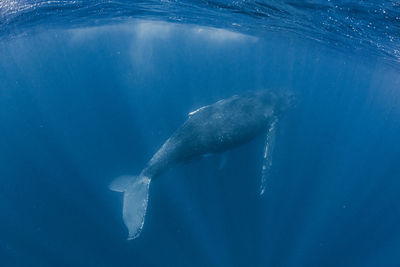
(218, 102)
(197, 110)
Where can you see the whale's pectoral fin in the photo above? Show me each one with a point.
(222, 161)
(267, 157)
(136, 195)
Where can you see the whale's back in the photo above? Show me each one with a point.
(223, 125)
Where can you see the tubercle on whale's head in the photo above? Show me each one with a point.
(281, 100)
(287, 100)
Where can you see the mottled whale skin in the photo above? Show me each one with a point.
(219, 127)
(208, 130)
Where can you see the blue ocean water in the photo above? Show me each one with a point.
(89, 90)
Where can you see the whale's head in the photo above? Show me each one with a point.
(279, 101)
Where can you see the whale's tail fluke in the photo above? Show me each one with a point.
(136, 195)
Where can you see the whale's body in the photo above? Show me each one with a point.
(208, 130)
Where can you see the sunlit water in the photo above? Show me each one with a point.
(89, 91)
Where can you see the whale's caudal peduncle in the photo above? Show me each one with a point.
(208, 130)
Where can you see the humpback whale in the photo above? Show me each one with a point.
(210, 129)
